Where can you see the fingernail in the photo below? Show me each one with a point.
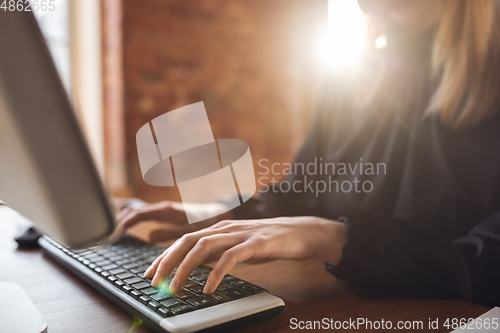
(156, 280)
(148, 271)
(208, 287)
(173, 284)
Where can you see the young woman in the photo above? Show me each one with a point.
(424, 107)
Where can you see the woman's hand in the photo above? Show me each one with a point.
(292, 238)
(173, 214)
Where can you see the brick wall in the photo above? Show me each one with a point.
(244, 59)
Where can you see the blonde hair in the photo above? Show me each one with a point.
(466, 61)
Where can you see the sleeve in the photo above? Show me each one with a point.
(407, 259)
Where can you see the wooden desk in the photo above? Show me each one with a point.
(309, 291)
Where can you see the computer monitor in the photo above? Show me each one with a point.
(46, 170)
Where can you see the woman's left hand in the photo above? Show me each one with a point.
(230, 242)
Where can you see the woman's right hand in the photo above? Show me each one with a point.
(173, 215)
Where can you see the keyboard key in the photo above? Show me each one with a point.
(236, 293)
(200, 278)
(228, 279)
(190, 283)
(109, 267)
(119, 283)
(132, 265)
(126, 287)
(218, 297)
(133, 280)
(105, 273)
(83, 252)
(165, 312)
(135, 293)
(198, 288)
(153, 305)
(123, 262)
(86, 262)
(150, 260)
(136, 257)
(149, 291)
(96, 259)
(141, 269)
(198, 271)
(91, 256)
(98, 269)
(112, 278)
(125, 275)
(102, 262)
(239, 283)
(160, 296)
(200, 302)
(113, 258)
(141, 258)
(223, 286)
(170, 302)
(183, 294)
(92, 266)
(141, 285)
(254, 290)
(117, 271)
(103, 251)
(183, 308)
(144, 299)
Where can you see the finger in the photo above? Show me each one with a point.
(228, 260)
(122, 213)
(178, 251)
(160, 211)
(165, 266)
(154, 265)
(203, 248)
(172, 231)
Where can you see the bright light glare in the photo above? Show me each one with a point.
(344, 39)
(381, 42)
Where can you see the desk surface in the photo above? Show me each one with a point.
(309, 292)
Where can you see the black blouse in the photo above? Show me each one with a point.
(428, 219)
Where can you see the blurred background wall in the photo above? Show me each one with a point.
(251, 62)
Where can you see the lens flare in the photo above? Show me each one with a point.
(164, 289)
(381, 42)
(135, 324)
(344, 39)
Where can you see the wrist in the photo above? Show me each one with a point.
(331, 250)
